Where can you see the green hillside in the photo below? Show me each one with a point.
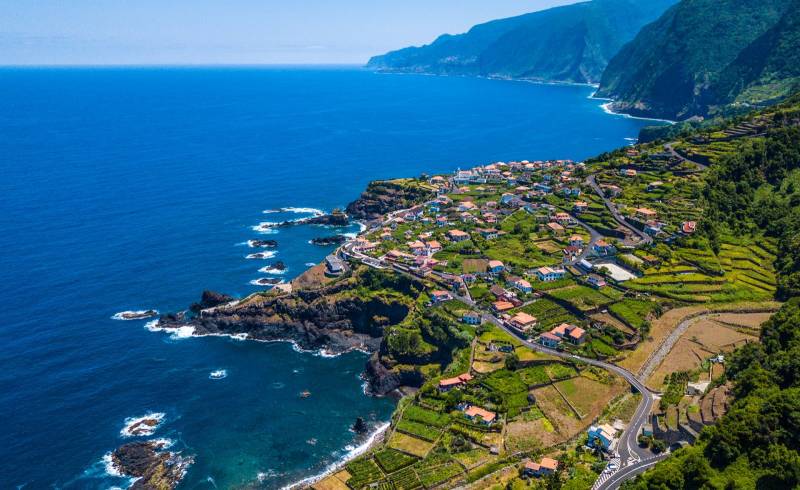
(704, 54)
(572, 43)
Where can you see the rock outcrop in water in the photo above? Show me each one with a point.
(336, 218)
(329, 240)
(154, 468)
(263, 243)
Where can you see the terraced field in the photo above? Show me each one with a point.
(742, 270)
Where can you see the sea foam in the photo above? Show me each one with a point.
(137, 426)
(262, 255)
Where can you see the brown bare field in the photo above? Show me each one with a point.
(486, 367)
(474, 265)
(333, 482)
(704, 338)
(548, 246)
(590, 397)
(747, 320)
(558, 412)
(528, 436)
(661, 328)
(409, 444)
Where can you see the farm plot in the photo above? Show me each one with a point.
(363, 472)
(585, 298)
(556, 410)
(410, 445)
(548, 313)
(589, 396)
(392, 460)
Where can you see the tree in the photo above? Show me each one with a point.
(512, 362)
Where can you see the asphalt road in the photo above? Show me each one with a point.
(644, 237)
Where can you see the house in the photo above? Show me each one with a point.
(545, 467)
(440, 296)
(467, 206)
(523, 322)
(441, 221)
(573, 334)
(471, 318)
(457, 235)
(448, 384)
(549, 274)
(468, 278)
(386, 236)
(652, 186)
(629, 172)
(417, 247)
(688, 227)
(433, 246)
(596, 281)
(522, 285)
(601, 247)
(480, 415)
(697, 388)
(507, 198)
(646, 214)
(488, 233)
(496, 267)
(580, 206)
(501, 306)
(555, 228)
(334, 265)
(549, 340)
(602, 436)
(576, 241)
(542, 187)
(563, 218)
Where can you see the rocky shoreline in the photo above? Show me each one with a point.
(151, 464)
(332, 319)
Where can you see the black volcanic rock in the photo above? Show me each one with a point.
(154, 467)
(210, 299)
(360, 427)
(329, 240)
(263, 243)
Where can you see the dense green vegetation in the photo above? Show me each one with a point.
(702, 54)
(571, 43)
(753, 188)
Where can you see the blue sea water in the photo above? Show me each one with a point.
(133, 188)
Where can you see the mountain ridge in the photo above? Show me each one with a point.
(571, 43)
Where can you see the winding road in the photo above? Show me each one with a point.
(612, 208)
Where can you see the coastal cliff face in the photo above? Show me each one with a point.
(385, 196)
(337, 318)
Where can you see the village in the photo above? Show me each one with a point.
(559, 274)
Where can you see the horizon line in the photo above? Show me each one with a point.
(183, 65)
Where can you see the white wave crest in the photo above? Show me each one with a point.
(271, 270)
(352, 453)
(262, 255)
(134, 314)
(110, 467)
(265, 228)
(218, 374)
(145, 425)
(314, 211)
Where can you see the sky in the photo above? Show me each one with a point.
(113, 32)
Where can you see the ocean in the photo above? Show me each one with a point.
(135, 188)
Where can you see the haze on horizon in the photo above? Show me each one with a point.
(108, 32)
